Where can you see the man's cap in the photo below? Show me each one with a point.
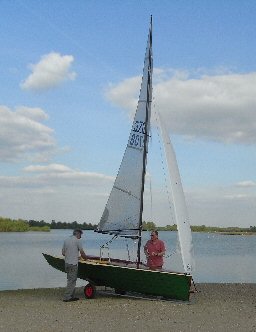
(77, 231)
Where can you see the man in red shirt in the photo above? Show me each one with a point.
(154, 251)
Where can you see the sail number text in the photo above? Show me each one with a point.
(137, 136)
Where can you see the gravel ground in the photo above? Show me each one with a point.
(215, 307)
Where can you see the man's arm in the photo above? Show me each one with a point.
(83, 254)
(146, 250)
(81, 250)
(162, 252)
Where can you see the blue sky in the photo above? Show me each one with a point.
(69, 80)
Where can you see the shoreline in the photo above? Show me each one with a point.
(214, 307)
(41, 229)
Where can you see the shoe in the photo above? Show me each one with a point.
(72, 299)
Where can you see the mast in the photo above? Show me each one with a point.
(148, 69)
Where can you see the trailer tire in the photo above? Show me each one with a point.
(89, 291)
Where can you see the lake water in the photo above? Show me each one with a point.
(218, 258)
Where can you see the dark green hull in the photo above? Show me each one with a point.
(157, 283)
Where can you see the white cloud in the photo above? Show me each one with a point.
(218, 107)
(55, 176)
(125, 94)
(50, 71)
(58, 174)
(54, 191)
(221, 206)
(33, 113)
(23, 137)
(246, 184)
(236, 197)
(48, 168)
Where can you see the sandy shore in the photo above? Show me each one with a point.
(215, 307)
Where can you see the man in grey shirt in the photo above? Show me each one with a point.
(71, 248)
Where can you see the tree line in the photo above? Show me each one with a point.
(208, 229)
(20, 225)
(62, 225)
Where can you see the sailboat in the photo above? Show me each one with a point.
(122, 216)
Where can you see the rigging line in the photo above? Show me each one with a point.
(108, 242)
(151, 201)
(127, 248)
(171, 254)
(194, 289)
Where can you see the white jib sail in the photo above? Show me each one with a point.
(180, 209)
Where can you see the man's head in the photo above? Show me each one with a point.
(78, 233)
(154, 235)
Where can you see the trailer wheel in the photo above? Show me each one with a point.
(89, 291)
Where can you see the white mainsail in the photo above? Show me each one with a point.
(123, 211)
(180, 209)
